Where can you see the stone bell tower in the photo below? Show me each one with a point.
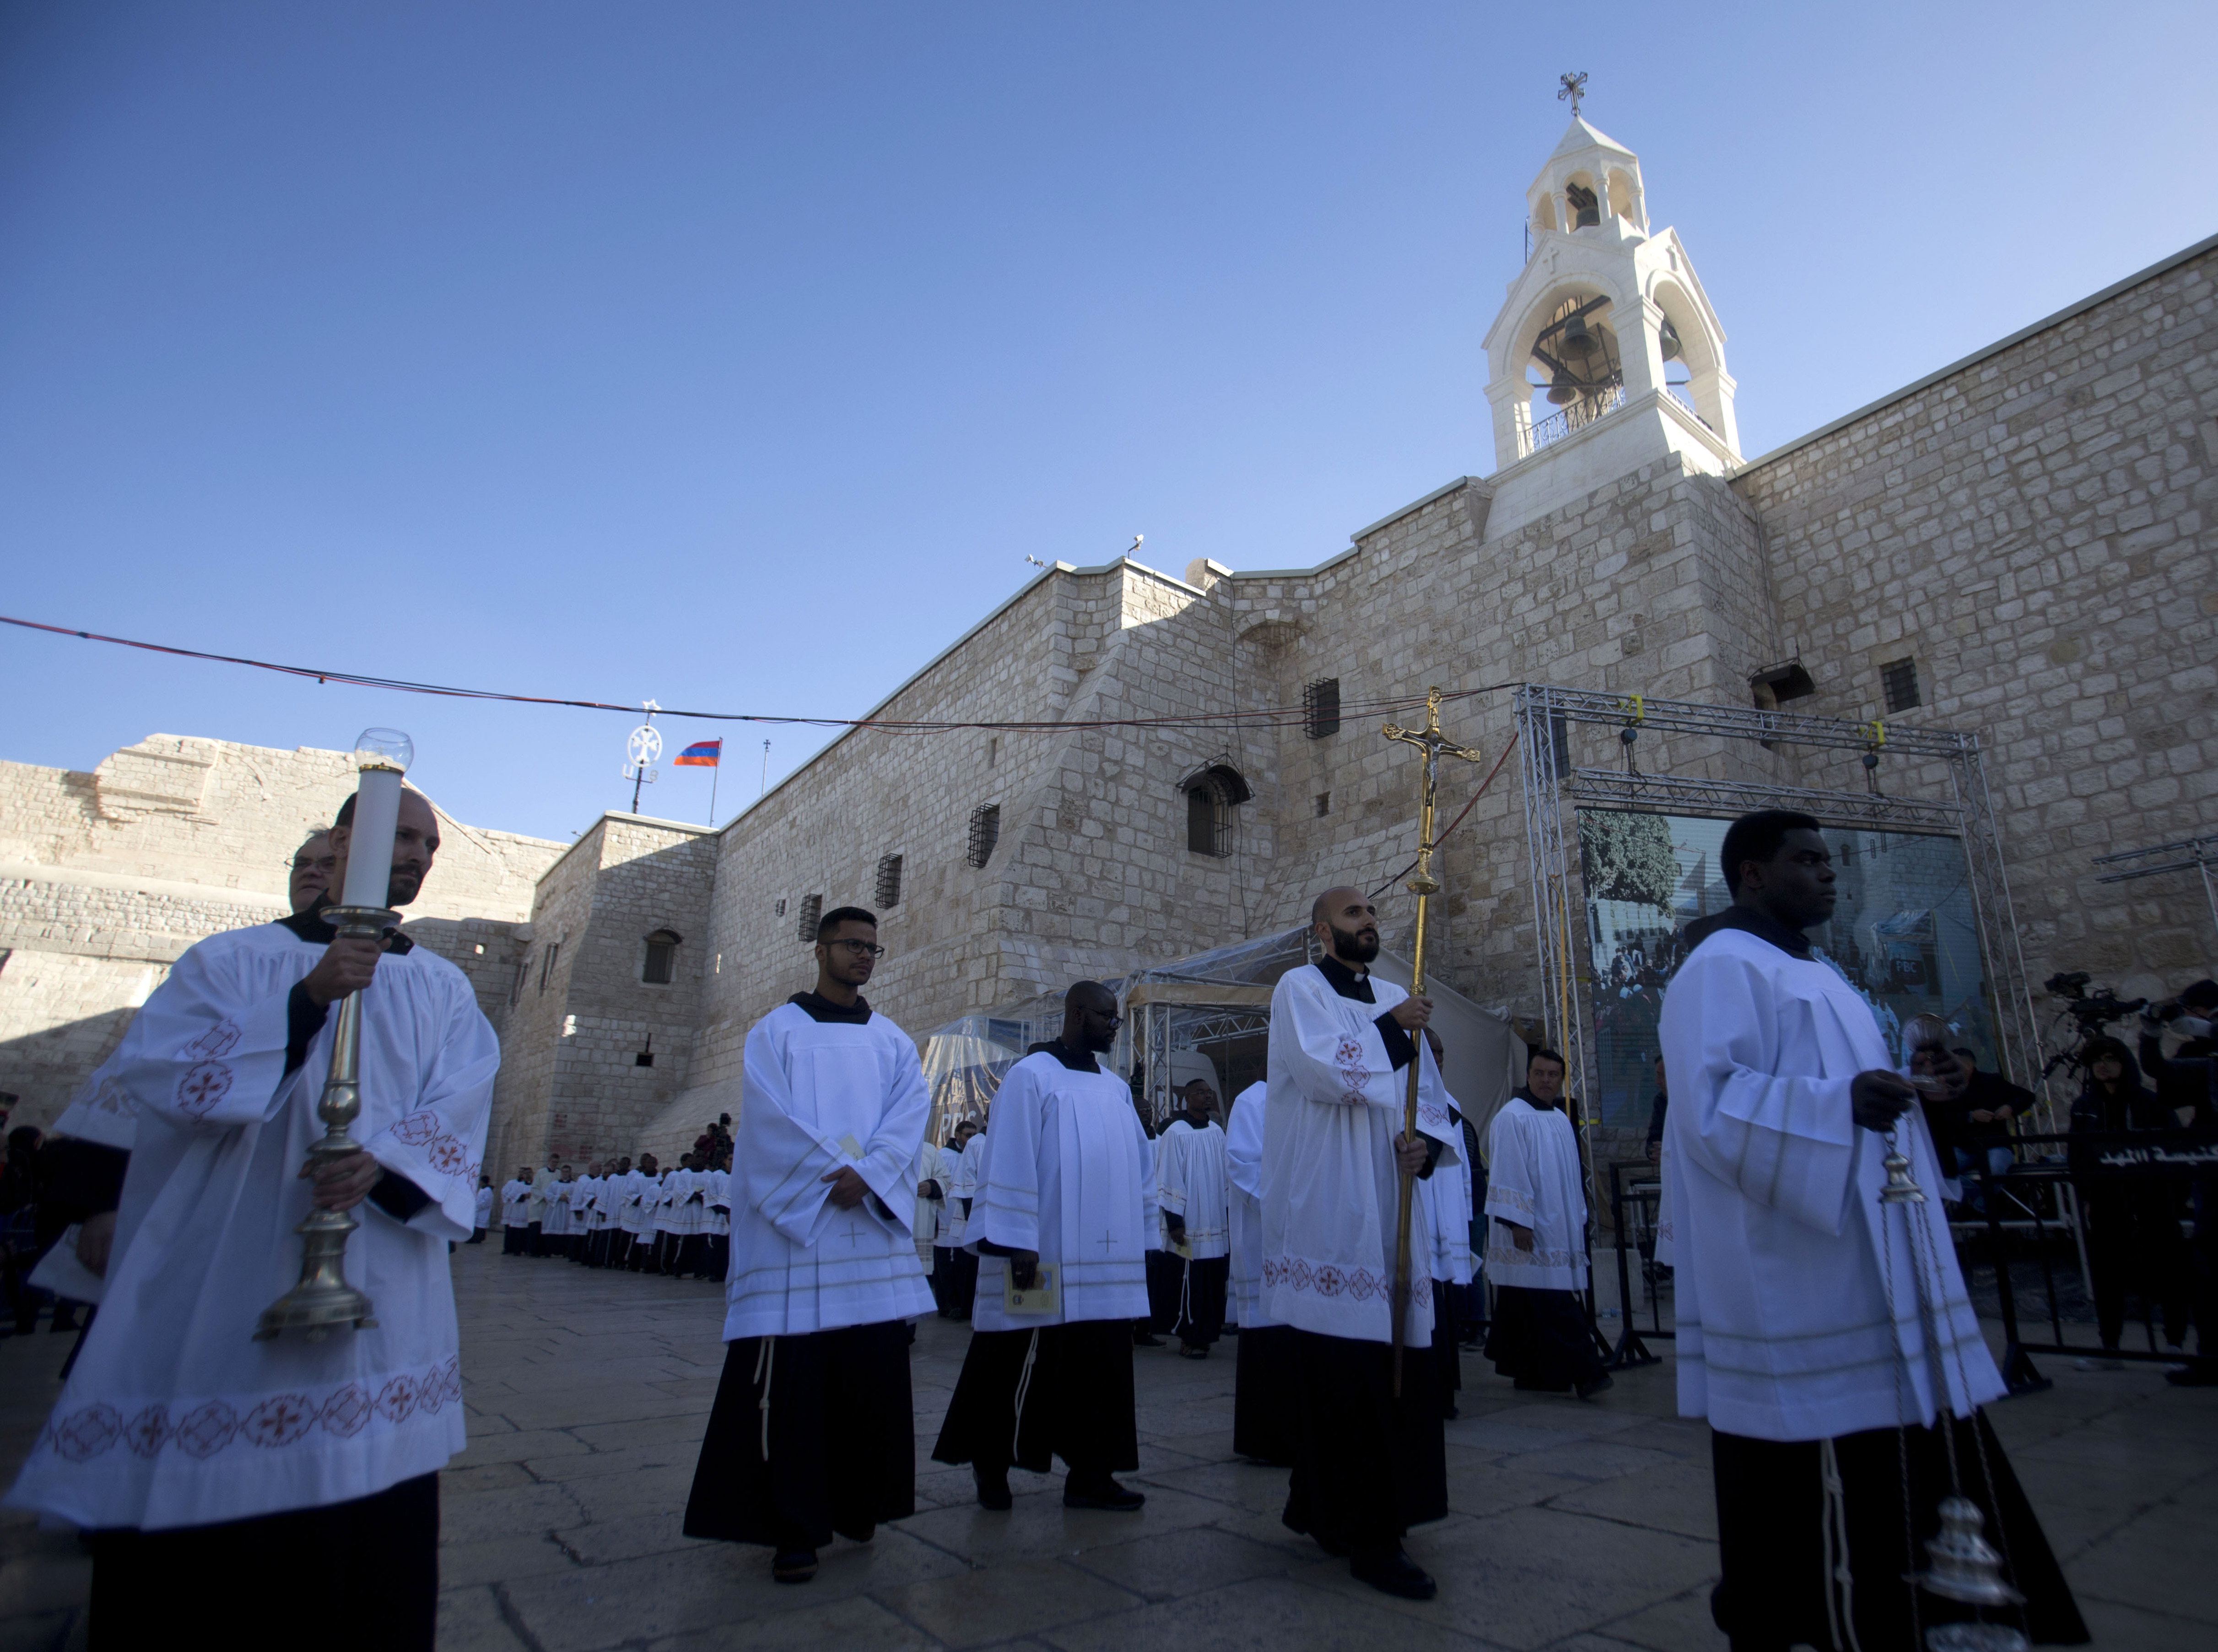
(1606, 355)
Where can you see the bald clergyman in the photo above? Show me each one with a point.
(1366, 1466)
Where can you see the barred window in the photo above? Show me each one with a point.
(780, 908)
(1211, 797)
(888, 890)
(661, 967)
(1320, 708)
(1899, 680)
(985, 833)
(812, 909)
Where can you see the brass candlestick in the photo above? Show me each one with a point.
(323, 1298)
(1431, 742)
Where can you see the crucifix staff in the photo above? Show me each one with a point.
(1432, 743)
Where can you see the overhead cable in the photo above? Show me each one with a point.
(1266, 717)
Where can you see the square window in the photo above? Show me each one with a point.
(1324, 804)
(1898, 679)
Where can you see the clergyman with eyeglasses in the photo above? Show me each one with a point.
(824, 1271)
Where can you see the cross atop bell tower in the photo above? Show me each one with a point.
(1607, 346)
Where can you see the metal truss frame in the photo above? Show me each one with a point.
(1553, 790)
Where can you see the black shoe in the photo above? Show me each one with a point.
(1102, 1493)
(1192, 1351)
(1392, 1572)
(1601, 1384)
(994, 1492)
(861, 1533)
(1525, 1385)
(1145, 1338)
(2203, 1374)
(794, 1565)
(1337, 1550)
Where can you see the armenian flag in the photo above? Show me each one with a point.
(702, 756)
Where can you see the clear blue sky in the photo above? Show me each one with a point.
(737, 355)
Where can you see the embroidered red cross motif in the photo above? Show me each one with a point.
(280, 1419)
(219, 1040)
(396, 1399)
(1349, 1053)
(347, 1410)
(206, 1429)
(85, 1434)
(417, 1128)
(204, 1085)
(148, 1432)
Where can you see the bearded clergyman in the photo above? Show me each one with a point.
(1368, 1464)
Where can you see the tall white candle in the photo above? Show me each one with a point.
(383, 755)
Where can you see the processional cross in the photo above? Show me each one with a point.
(1433, 744)
(1575, 88)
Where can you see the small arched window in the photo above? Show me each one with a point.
(1211, 796)
(661, 967)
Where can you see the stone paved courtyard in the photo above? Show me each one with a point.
(1583, 1527)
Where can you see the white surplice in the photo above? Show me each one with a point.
(1771, 1213)
(718, 1183)
(1331, 1187)
(1190, 1183)
(1446, 1208)
(174, 1415)
(963, 1186)
(1243, 1174)
(515, 1203)
(556, 1223)
(820, 1096)
(1532, 1179)
(482, 1216)
(1071, 1175)
(930, 1167)
(635, 1205)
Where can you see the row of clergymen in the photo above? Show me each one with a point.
(1208, 1186)
(1060, 1204)
(676, 1221)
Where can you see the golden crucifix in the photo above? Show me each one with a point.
(1432, 743)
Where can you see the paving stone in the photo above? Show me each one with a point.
(1266, 1616)
(1168, 1564)
(978, 1608)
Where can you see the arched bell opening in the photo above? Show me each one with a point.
(1575, 368)
(1583, 201)
(1625, 199)
(1692, 360)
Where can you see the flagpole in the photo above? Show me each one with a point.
(716, 773)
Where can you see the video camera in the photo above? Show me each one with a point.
(2092, 1010)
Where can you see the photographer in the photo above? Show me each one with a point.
(2188, 1083)
(2132, 1225)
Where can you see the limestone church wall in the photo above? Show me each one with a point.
(2036, 531)
(107, 877)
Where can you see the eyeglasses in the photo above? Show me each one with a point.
(861, 948)
(322, 864)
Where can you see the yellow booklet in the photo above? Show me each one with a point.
(1044, 1297)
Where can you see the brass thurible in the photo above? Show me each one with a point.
(323, 1298)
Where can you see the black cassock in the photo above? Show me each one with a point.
(1027, 1396)
(1264, 1427)
(1542, 1338)
(1202, 1284)
(834, 1408)
(1368, 1467)
(1771, 1534)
